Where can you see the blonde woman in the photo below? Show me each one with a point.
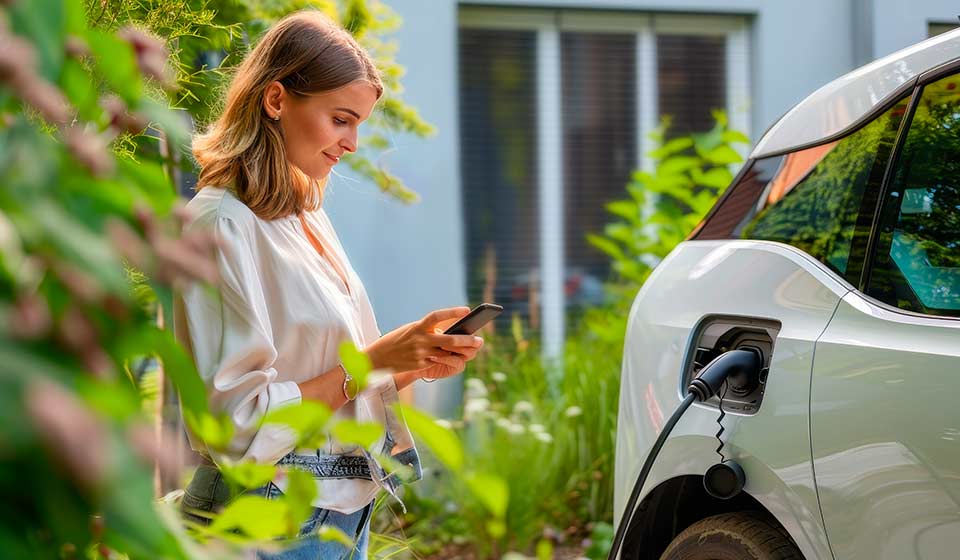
(288, 296)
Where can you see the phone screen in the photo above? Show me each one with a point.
(478, 317)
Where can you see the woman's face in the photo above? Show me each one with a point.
(319, 128)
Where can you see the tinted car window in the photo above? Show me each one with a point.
(822, 199)
(917, 262)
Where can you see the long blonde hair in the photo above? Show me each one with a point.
(243, 150)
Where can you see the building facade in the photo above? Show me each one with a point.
(543, 111)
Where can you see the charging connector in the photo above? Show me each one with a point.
(744, 362)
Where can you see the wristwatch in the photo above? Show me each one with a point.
(350, 385)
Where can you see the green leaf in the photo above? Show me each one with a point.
(331, 533)
(309, 419)
(544, 549)
(79, 89)
(723, 155)
(179, 367)
(442, 441)
(356, 362)
(491, 490)
(671, 147)
(605, 245)
(300, 492)
(734, 137)
(216, 432)
(117, 63)
(173, 122)
(361, 433)
(42, 22)
(248, 474)
(150, 180)
(496, 527)
(115, 400)
(253, 516)
(718, 178)
(626, 209)
(676, 165)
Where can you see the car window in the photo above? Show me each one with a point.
(917, 262)
(822, 199)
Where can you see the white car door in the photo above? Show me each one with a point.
(885, 424)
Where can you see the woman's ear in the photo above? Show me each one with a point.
(273, 99)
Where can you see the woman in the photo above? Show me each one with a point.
(288, 296)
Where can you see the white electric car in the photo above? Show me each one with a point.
(835, 255)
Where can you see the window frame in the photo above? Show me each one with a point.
(549, 23)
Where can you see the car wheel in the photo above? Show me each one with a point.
(733, 536)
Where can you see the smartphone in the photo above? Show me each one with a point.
(478, 317)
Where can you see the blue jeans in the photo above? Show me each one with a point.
(209, 492)
(310, 547)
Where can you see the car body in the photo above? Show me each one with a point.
(839, 242)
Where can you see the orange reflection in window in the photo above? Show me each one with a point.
(795, 168)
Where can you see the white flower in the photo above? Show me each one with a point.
(443, 423)
(475, 388)
(498, 376)
(573, 411)
(475, 406)
(504, 423)
(522, 407)
(536, 428)
(516, 429)
(544, 437)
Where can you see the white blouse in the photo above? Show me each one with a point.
(281, 313)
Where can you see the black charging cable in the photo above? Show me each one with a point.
(706, 385)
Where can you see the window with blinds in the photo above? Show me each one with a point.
(691, 75)
(498, 155)
(618, 73)
(599, 99)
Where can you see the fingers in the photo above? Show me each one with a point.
(435, 317)
(455, 362)
(466, 353)
(454, 340)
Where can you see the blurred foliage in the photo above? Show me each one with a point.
(548, 433)
(207, 39)
(89, 244)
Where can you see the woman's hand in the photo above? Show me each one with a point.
(416, 346)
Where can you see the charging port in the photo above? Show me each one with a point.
(742, 394)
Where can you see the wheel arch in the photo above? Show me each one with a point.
(672, 506)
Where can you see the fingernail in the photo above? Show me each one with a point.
(477, 340)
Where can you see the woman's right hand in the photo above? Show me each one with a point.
(409, 347)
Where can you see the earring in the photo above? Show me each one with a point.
(276, 117)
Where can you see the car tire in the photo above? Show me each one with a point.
(733, 536)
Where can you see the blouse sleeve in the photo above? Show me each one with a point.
(233, 348)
